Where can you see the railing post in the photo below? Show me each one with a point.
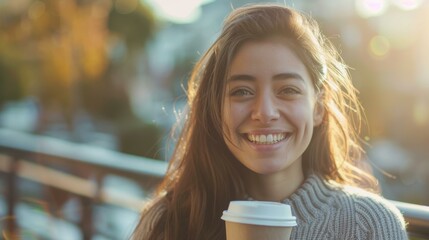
(11, 228)
(86, 220)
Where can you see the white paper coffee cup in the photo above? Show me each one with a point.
(260, 213)
(258, 220)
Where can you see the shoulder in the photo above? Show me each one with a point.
(345, 212)
(374, 216)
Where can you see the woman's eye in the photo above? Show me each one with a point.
(241, 92)
(289, 91)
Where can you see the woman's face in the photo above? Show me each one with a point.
(270, 107)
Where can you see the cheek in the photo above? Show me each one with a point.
(233, 115)
(301, 114)
(228, 117)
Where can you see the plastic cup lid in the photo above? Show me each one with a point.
(260, 213)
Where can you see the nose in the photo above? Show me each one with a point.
(265, 109)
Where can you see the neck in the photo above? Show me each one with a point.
(276, 186)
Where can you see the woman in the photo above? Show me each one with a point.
(270, 107)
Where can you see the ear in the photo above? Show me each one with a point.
(319, 109)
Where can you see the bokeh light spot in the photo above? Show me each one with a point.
(186, 11)
(421, 113)
(407, 4)
(370, 8)
(379, 46)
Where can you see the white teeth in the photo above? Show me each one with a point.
(270, 138)
(266, 139)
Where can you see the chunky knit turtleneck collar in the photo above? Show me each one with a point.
(311, 198)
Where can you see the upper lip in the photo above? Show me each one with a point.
(265, 131)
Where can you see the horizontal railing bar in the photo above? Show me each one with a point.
(73, 184)
(75, 153)
(51, 177)
(417, 216)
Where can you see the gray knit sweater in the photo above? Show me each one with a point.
(325, 210)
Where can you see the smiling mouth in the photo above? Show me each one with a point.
(266, 138)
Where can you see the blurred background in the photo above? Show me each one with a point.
(110, 75)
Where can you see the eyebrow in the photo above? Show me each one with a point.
(280, 76)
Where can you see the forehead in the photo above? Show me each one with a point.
(267, 58)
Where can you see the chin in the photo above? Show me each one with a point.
(267, 169)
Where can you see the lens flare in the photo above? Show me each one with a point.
(379, 46)
(407, 4)
(370, 8)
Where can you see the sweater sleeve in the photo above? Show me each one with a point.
(378, 219)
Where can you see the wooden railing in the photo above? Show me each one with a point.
(36, 158)
(39, 158)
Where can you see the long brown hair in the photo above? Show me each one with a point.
(203, 175)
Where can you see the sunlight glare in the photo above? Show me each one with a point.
(421, 113)
(186, 11)
(407, 4)
(370, 8)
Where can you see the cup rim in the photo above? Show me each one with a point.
(258, 220)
